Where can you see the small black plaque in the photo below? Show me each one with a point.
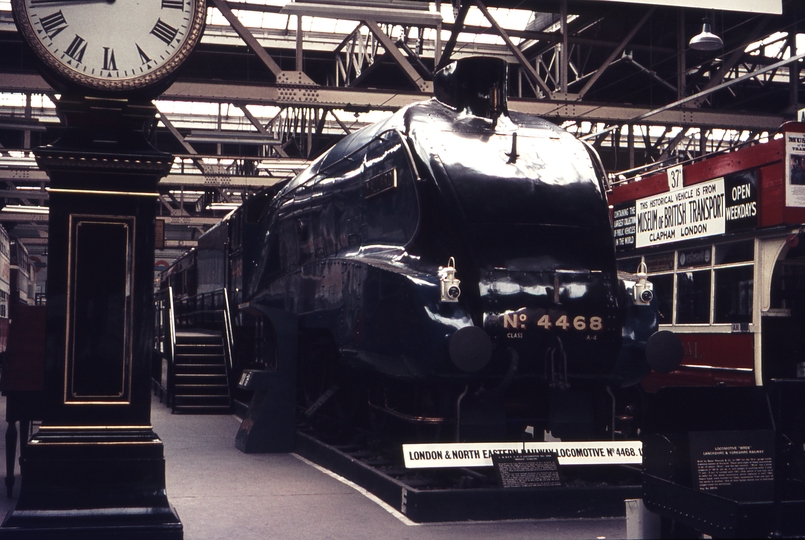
(527, 470)
(738, 465)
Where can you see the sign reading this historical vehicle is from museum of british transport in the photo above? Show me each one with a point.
(795, 169)
(727, 204)
(692, 212)
(434, 455)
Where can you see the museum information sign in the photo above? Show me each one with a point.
(737, 465)
(725, 204)
(433, 455)
(527, 470)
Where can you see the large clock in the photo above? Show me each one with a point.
(111, 46)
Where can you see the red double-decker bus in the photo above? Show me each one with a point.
(723, 243)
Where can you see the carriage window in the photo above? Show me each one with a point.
(733, 295)
(693, 297)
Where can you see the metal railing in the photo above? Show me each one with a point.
(165, 337)
(229, 340)
(208, 310)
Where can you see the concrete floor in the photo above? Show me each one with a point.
(221, 493)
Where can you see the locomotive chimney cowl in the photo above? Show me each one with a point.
(477, 85)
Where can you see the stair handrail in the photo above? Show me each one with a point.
(229, 338)
(171, 331)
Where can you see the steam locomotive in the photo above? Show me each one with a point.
(451, 267)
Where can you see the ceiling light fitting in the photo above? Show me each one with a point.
(706, 40)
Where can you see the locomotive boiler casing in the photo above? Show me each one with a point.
(356, 245)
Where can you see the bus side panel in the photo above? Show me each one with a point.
(772, 186)
(710, 359)
(749, 157)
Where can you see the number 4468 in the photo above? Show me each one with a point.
(578, 323)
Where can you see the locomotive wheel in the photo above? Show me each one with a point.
(323, 376)
(315, 365)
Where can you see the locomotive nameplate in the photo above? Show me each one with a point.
(380, 183)
(435, 455)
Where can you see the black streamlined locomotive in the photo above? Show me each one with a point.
(451, 266)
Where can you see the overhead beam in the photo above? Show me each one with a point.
(524, 63)
(615, 53)
(247, 37)
(402, 61)
(241, 182)
(347, 99)
(458, 27)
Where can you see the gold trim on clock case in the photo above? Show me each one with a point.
(99, 307)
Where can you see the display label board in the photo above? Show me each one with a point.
(737, 465)
(527, 470)
(434, 455)
(725, 204)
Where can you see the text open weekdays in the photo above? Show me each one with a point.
(434, 455)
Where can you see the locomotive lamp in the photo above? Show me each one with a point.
(448, 284)
(643, 289)
(95, 468)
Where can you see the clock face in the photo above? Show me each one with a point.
(111, 44)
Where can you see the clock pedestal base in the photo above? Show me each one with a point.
(93, 484)
(96, 469)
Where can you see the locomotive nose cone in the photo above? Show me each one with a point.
(470, 348)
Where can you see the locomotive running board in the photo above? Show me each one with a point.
(595, 500)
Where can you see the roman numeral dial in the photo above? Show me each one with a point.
(164, 31)
(111, 44)
(53, 24)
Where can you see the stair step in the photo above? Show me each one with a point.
(202, 390)
(196, 361)
(198, 351)
(201, 409)
(216, 401)
(201, 371)
(202, 379)
(198, 333)
(195, 399)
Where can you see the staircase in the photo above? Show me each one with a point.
(201, 383)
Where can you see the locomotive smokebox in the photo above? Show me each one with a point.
(470, 349)
(477, 84)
